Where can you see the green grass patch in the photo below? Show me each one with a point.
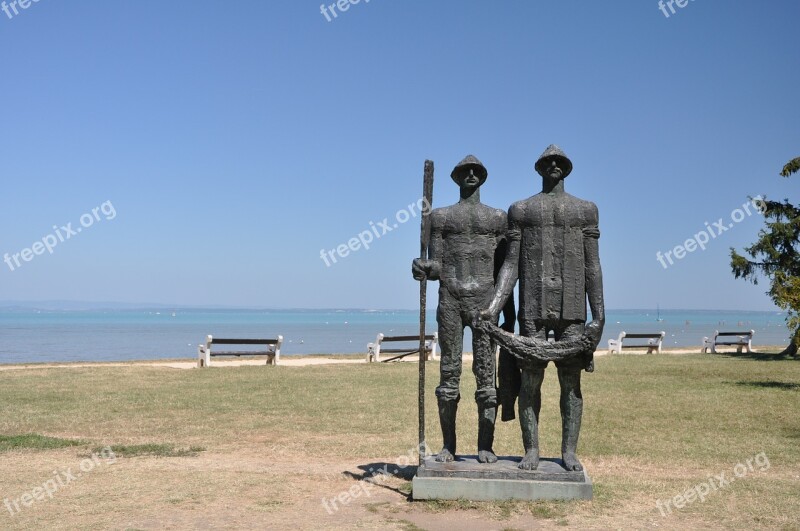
(33, 441)
(151, 450)
(405, 488)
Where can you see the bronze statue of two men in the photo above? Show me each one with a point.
(549, 242)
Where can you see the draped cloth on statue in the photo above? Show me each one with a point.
(531, 349)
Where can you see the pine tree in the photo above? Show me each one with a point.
(776, 256)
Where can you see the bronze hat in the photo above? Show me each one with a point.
(554, 152)
(470, 161)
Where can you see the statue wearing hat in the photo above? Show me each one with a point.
(553, 252)
(467, 245)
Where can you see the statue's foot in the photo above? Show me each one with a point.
(531, 460)
(571, 462)
(486, 456)
(445, 456)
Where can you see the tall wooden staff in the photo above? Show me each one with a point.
(425, 234)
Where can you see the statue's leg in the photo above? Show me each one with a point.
(530, 398)
(530, 404)
(483, 366)
(447, 419)
(571, 412)
(451, 337)
(569, 378)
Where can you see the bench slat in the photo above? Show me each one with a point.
(730, 343)
(404, 338)
(243, 353)
(748, 334)
(639, 346)
(641, 336)
(218, 341)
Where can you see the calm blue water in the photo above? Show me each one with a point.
(118, 335)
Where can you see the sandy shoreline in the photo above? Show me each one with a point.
(289, 361)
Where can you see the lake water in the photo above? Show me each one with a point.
(118, 335)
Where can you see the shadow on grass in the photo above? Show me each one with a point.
(770, 384)
(756, 356)
(392, 469)
(375, 473)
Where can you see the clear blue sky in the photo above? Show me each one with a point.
(236, 140)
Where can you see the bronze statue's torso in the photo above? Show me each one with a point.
(551, 262)
(470, 234)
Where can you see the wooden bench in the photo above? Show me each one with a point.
(374, 350)
(743, 340)
(272, 350)
(653, 342)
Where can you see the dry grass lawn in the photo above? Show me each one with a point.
(269, 444)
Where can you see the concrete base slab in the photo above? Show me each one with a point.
(468, 479)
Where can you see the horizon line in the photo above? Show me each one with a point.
(109, 305)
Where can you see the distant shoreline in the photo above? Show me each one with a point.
(305, 360)
(76, 306)
(63, 336)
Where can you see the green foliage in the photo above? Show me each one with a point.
(776, 255)
(156, 450)
(791, 167)
(33, 441)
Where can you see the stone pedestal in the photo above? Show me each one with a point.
(466, 478)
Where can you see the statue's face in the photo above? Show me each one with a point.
(468, 179)
(553, 171)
